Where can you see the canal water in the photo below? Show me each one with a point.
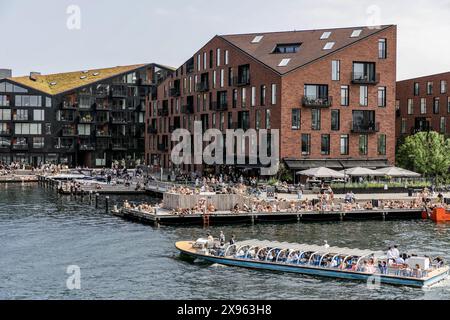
(41, 234)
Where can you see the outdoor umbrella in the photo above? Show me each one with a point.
(398, 172)
(322, 173)
(361, 172)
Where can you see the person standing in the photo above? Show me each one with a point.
(232, 240)
(222, 238)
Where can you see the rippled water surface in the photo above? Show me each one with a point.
(41, 234)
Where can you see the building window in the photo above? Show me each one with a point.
(222, 78)
(335, 70)
(423, 105)
(287, 48)
(335, 120)
(315, 119)
(218, 57)
(325, 145)
(38, 115)
(263, 95)
(382, 96)
(20, 115)
(443, 125)
(344, 145)
(363, 144)
(382, 49)
(227, 58)
(296, 119)
(382, 145)
(28, 101)
(448, 104)
(274, 94)
(4, 101)
(429, 87)
(5, 114)
(436, 105)
(363, 96)
(243, 97)
(214, 79)
(306, 144)
(443, 86)
(416, 88)
(84, 129)
(410, 106)
(222, 121)
(268, 119)
(199, 62)
(235, 98)
(403, 126)
(205, 57)
(345, 96)
(28, 128)
(253, 98)
(258, 120)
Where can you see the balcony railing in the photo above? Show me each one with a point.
(119, 146)
(119, 92)
(202, 86)
(241, 81)
(175, 92)
(219, 106)
(164, 112)
(365, 128)
(5, 132)
(324, 102)
(152, 130)
(415, 130)
(120, 120)
(187, 109)
(69, 106)
(103, 134)
(20, 146)
(162, 147)
(69, 132)
(365, 78)
(87, 147)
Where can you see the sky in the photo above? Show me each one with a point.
(51, 36)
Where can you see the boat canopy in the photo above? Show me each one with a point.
(322, 250)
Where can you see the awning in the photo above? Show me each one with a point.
(335, 164)
(322, 172)
(398, 173)
(361, 172)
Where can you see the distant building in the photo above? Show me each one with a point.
(331, 93)
(423, 104)
(87, 118)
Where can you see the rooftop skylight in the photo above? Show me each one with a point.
(329, 46)
(356, 33)
(257, 39)
(325, 35)
(284, 62)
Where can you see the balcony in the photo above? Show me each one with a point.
(5, 132)
(119, 147)
(415, 130)
(203, 86)
(103, 134)
(219, 106)
(365, 78)
(152, 130)
(175, 92)
(20, 146)
(164, 112)
(119, 92)
(365, 127)
(187, 109)
(85, 119)
(103, 107)
(87, 147)
(66, 105)
(162, 147)
(69, 132)
(309, 102)
(120, 120)
(241, 81)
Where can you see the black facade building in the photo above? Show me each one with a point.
(87, 118)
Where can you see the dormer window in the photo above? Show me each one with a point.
(287, 48)
(325, 35)
(257, 39)
(356, 33)
(329, 46)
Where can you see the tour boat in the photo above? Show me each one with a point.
(326, 261)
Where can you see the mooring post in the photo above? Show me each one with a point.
(96, 201)
(107, 204)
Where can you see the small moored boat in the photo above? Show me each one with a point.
(326, 261)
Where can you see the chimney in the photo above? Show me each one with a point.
(5, 73)
(33, 75)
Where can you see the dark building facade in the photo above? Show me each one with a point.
(423, 104)
(86, 118)
(330, 93)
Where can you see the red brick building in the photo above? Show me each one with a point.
(423, 104)
(331, 93)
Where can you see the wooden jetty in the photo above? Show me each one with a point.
(18, 179)
(164, 217)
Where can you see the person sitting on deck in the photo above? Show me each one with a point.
(126, 205)
(417, 272)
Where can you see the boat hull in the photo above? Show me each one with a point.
(314, 271)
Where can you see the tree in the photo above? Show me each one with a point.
(284, 174)
(427, 153)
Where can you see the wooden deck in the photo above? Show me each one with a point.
(164, 217)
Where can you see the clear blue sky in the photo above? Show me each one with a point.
(35, 36)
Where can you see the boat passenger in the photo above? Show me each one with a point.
(417, 272)
(232, 240)
(395, 252)
(400, 261)
(390, 256)
(222, 238)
